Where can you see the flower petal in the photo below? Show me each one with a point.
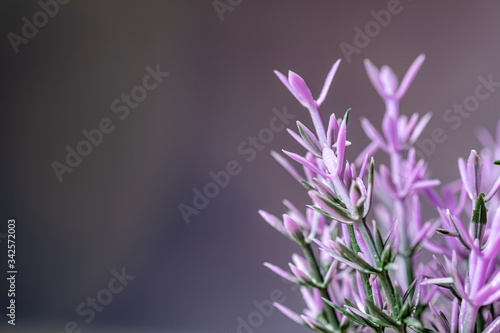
(373, 75)
(410, 75)
(389, 80)
(328, 82)
(301, 89)
(289, 313)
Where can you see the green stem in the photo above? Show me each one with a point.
(409, 269)
(311, 260)
(365, 277)
(479, 322)
(383, 276)
(407, 256)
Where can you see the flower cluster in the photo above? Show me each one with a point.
(369, 263)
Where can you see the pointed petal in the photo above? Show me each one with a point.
(390, 129)
(286, 165)
(284, 80)
(494, 327)
(486, 139)
(465, 177)
(309, 138)
(297, 138)
(454, 316)
(300, 262)
(341, 144)
(305, 163)
(331, 132)
(373, 75)
(420, 127)
(425, 184)
(292, 208)
(301, 89)
(492, 246)
(300, 274)
(284, 274)
(493, 190)
(389, 80)
(328, 82)
(409, 127)
(289, 313)
(372, 133)
(410, 75)
(315, 325)
(291, 226)
(273, 221)
(474, 169)
(330, 160)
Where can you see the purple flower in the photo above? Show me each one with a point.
(301, 92)
(471, 174)
(386, 82)
(371, 276)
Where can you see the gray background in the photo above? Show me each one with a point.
(119, 207)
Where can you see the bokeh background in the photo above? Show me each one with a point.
(120, 207)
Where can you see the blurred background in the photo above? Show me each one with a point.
(118, 210)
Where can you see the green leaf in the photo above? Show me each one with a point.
(350, 263)
(497, 162)
(460, 238)
(321, 211)
(318, 328)
(417, 326)
(367, 317)
(445, 232)
(309, 141)
(352, 317)
(325, 191)
(376, 312)
(308, 186)
(416, 297)
(405, 310)
(346, 115)
(349, 254)
(369, 190)
(479, 213)
(349, 303)
(335, 206)
(385, 257)
(397, 294)
(379, 243)
(479, 216)
(445, 320)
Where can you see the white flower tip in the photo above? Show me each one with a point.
(291, 226)
(263, 213)
(368, 63)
